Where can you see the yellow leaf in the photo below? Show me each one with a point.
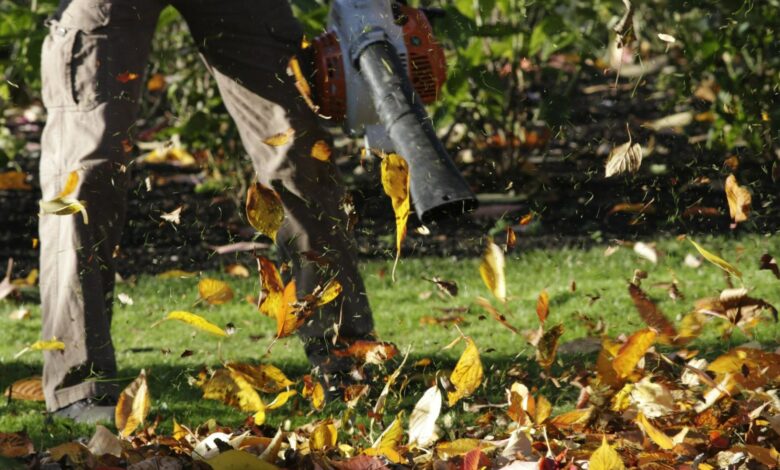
(264, 377)
(133, 405)
(605, 458)
(277, 140)
(571, 418)
(661, 440)
(248, 398)
(329, 293)
(543, 306)
(176, 274)
(324, 436)
(606, 372)
(543, 410)
(179, 431)
(717, 261)
(492, 271)
(64, 206)
(447, 450)
(321, 151)
(51, 345)
(739, 200)
(632, 351)
(467, 375)
(395, 181)
(196, 321)
(70, 185)
(238, 460)
(388, 442)
(175, 156)
(214, 291)
(313, 390)
(264, 210)
(237, 270)
(280, 399)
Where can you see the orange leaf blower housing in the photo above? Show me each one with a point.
(424, 60)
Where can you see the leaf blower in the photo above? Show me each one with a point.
(375, 68)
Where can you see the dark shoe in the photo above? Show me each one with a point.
(88, 411)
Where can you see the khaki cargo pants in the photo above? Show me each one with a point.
(246, 45)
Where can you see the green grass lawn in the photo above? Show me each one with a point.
(600, 294)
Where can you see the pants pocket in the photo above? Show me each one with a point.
(56, 57)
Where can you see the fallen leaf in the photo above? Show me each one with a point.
(667, 38)
(14, 181)
(422, 422)
(104, 442)
(156, 82)
(767, 263)
(15, 445)
(632, 351)
(659, 438)
(196, 321)
(64, 203)
(324, 436)
(124, 299)
(30, 389)
(547, 348)
(234, 460)
(462, 446)
(395, 182)
(368, 352)
(264, 210)
(237, 270)
(605, 458)
(651, 314)
(673, 120)
(717, 261)
(321, 151)
(176, 274)
(543, 306)
(173, 216)
(498, 316)
(646, 251)
(624, 158)
(511, 239)
(264, 377)
(571, 419)
(467, 375)
(388, 442)
(652, 399)
(21, 313)
(492, 271)
(214, 291)
(281, 399)
(739, 200)
(125, 77)
(277, 140)
(132, 406)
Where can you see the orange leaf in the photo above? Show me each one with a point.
(571, 419)
(321, 151)
(156, 82)
(26, 389)
(271, 285)
(133, 405)
(511, 239)
(277, 140)
(287, 318)
(543, 306)
(125, 77)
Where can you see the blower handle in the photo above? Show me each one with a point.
(437, 188)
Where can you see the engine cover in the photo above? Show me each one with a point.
(339, 91)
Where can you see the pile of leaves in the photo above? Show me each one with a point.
(648, 400)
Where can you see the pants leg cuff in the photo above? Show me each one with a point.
(90, 389)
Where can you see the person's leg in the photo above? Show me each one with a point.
(91, 98)
(247, 46)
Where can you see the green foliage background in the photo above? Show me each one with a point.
(734, 42)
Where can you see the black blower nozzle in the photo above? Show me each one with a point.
(437, 188)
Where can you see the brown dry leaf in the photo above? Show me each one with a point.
(739, 200)
(769, 263)
(492, 271)
(15, 445)
(237, 270)
(716, 260)
(624, 158)
(214, 291)
(196, 321)
(448, 288)
(156, 82)
(632, 351)
(543, 306)
(467, 375)
(277, 140)
(264, 210)
(133, 405)
(173, 216)
(321, 151)
(14, 181)
(324, 436)
(26, 389)
(511, 239)
(547, 348)
(498, 316)
(605, 458)
(395, 182)
(657, 436)
(651, 314)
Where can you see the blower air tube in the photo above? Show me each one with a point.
(437, 188)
